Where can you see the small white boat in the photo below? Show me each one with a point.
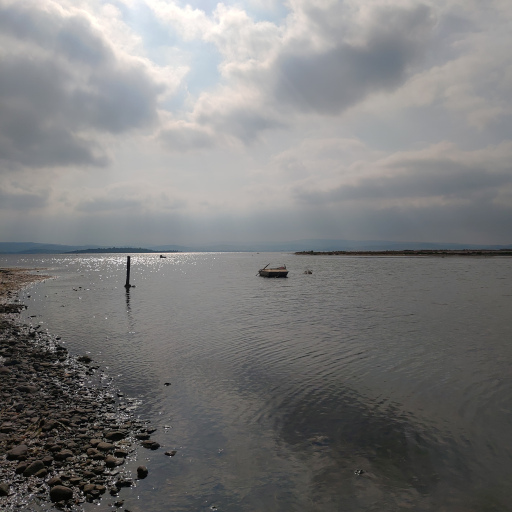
(273, 272)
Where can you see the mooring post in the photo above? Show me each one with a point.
(127, 285)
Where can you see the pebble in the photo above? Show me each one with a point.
(142, 472)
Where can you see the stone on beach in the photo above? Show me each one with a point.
(33, 468)
(63, 455)
(17, 452)
(116, 435)
(104, 446)
(151, 445)
(60, 493)
(142, 472)
(112, 462)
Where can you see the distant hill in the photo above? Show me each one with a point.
(35, 248)
(286, 246)
(111, 250)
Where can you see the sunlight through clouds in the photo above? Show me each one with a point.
(206, 110)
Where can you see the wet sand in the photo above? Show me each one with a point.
(65, 433)
(13, 279)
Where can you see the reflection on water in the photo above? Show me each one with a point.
(371, 384)
(127, 294)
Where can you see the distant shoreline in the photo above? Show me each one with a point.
(421, 252)
(118, 250)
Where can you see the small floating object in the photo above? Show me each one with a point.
(358, 472)
(308, 271)
(167, 383)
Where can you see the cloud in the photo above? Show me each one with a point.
(133, 197)
(329, 80)
(108, 204)
(182, 136)
(332, 80)
(447, 181)
(22, 200)
(237, 114)
(63, 86)
(325, 58)
(336, 117)
(438, 175)
(23, 194)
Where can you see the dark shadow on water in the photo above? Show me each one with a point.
(370, 456)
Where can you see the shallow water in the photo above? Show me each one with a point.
(283, 389)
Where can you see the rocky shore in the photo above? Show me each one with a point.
(65, 433)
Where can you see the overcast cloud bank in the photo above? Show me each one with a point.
(146, 122)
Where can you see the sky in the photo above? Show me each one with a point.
(165, 122)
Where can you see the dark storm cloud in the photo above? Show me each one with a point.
(61, 85)
(331, 81)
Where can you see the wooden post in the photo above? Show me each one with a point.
(127, 285)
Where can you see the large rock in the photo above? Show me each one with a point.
(54, 481)
(88, 488)
(7, 427)
(27, 389)
(17, 452)
(104, 447)
(60, 493)
(63, 455)
(33, 468)
(20, 468)
(151, 445)
(142, 472)
(112, 462)
(50, 425)
(116, 435)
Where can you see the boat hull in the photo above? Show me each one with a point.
(273, 272)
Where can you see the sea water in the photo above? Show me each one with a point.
(374, 383)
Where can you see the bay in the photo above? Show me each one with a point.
(370, 384)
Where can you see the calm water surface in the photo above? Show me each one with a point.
(282, 389)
